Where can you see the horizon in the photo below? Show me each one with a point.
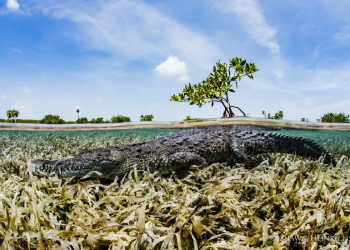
(127, 58)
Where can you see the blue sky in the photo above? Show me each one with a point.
(128, 57)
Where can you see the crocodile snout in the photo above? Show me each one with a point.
(42, 167)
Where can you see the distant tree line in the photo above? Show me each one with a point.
(328, 117)
(13, 115)
(334, 117)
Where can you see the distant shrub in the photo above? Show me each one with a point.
(190, 119)
(278, 115)
(21, 121)
(120, 118)
(97, 120)
(52, 119)
(304, 120)
(333, 117)
(146, 118)
(82, 120)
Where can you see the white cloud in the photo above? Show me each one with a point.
(12, 4)
(133, 30)
(174, 68)
(253, 20)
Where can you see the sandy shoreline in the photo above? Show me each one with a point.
(175, 125)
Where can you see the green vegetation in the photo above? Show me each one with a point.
(278, 115)
(97, 120)
(12, 114)
(333, 117)
(304, 119)
(216, 87)
(55, 119)
(83, 120)
(189, 119)
(146, 118)
(52, 119)
(22, 121)
(120, 118)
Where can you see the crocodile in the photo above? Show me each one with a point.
(179, 151)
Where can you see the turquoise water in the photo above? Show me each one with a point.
(17, 147)
(77, 139)
(108, 136)
(336, 142)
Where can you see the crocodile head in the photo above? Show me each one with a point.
(103, 163)
(42, 167)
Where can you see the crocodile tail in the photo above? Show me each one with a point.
(268, 143)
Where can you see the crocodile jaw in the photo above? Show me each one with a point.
(42, 167)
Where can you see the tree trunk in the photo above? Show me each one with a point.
(244, 114)
(228, 113)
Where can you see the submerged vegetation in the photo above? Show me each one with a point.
(285, 201)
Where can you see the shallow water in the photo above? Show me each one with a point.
(335, 142)
(111, 137)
